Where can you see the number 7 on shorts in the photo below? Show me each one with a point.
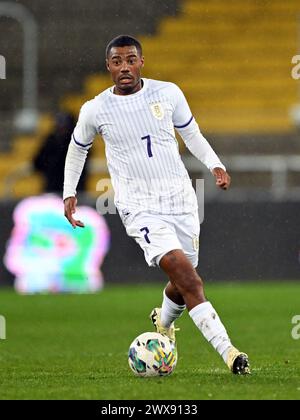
(146, 230)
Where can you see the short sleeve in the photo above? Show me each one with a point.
(85, 130)
(182, 115)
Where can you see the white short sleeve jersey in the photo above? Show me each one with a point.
(142, 153)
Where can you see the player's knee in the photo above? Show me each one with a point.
(175, 261)
(178, 266)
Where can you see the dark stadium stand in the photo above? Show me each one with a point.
(233, 61)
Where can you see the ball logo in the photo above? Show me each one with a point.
(2, 328)
(296, 330)
(296, 69)
(2, 67)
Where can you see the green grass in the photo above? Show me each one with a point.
(75, 346)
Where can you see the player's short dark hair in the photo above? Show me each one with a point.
(124, 41)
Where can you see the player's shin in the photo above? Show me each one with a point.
(170, 311)
(209, 323)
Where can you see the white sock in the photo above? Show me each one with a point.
(170, 311)
(209, 323)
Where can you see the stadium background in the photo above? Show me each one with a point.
(233, 60)
(233, 63)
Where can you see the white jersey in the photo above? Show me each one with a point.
(142, 152)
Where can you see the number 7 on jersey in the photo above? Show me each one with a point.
(148, 138)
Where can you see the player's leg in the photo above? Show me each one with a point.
(173, 305)
(161, 245)
(183, 277)
(174, 302)
(186, 229)
(172, 293)
(156, 236)
(189, 285)
(172, 308)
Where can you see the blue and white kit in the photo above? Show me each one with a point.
(153, 192)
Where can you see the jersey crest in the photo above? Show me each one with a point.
(157, 110)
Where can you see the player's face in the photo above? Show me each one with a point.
(124, 65)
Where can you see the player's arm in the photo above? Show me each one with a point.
(188, 129)
(202, 150)
(81, 142)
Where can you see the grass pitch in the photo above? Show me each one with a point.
(75, 346)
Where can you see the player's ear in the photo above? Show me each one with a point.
(107, 64)
(143, 61)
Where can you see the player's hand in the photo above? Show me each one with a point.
(70, 208)
(223, 179)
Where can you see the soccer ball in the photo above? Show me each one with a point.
(152, 354)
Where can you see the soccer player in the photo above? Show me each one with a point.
(153, 193)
